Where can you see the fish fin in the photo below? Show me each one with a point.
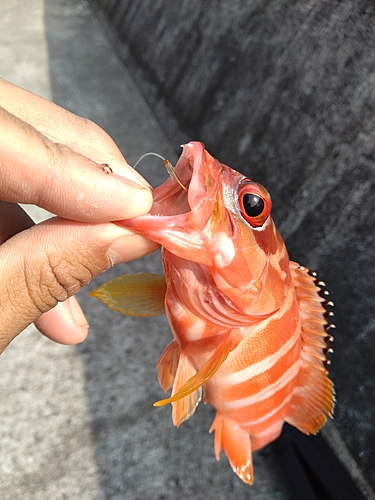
(167, 365)
(139, 294)
(236, 443)
(313, 396)
(205, 372)
(182, 409)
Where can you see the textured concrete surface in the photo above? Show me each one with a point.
(284, 91)
(78, 422)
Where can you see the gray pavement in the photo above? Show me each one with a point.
(78, 422)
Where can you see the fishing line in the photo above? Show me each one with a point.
(168, 165)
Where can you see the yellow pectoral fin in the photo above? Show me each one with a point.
(134, 294)
(205, 373)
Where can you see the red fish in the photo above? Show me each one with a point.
(249, 326)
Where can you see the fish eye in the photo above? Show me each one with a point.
(254, 203)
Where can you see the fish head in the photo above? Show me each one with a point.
(179, 218)
(222, 221)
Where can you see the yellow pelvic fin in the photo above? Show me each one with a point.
(205, 373)
(185, 407)
(167, 365)
(134, 294)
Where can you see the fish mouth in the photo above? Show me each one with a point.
(180, 213)
(198, 172)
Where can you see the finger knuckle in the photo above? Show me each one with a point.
(58, 280)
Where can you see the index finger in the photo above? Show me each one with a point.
(34, 169)
(64, 127)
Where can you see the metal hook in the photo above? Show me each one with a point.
(168, 166)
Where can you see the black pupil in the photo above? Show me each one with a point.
(253, 204)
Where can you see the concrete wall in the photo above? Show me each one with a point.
(283, 90)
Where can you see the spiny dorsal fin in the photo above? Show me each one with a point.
(134, 294)
(313, 397)
(203, 374)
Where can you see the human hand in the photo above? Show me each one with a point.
(55, 159)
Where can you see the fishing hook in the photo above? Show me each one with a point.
(168, 166)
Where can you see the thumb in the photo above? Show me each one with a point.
(59, 257)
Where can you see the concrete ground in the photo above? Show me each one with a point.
(78, 422)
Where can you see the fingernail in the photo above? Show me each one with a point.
(135, 178)
(132, 201)
(138, 177)
(130, 247)
(77, 313)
